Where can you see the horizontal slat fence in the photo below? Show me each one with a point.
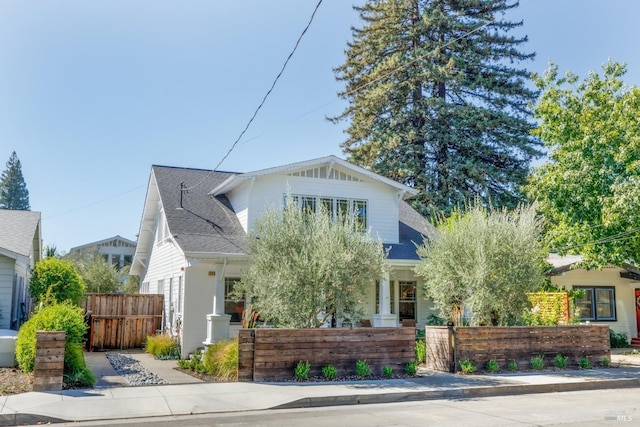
(272, 354)
(118, 321)
(519, 343)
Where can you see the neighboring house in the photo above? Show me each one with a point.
(20, 250)
(194, 224)
(612, 294)
(116, 250)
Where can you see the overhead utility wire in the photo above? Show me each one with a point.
(264, 99)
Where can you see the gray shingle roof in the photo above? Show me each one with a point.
(413, 229)
(18, 230)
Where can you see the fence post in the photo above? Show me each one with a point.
(49, 365)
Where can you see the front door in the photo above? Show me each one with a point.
(637, 294)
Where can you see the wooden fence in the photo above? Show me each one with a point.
(49, 366)
(118, 321)
(272, 354)
(447, 347)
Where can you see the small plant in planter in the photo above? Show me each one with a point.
(363, 369)
(537, 362)
(302, 370)
(493, 366)
(561, 361)
(584, 363)
(411, 369)
(329, 372)
(467, 367)
(513, 366)
(387, 371)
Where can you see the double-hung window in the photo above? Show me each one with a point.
(355, 209)
(598, 303)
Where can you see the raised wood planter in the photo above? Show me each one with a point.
(49, 365)
(272, 354)
(446, 347)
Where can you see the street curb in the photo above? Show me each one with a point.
(464, 393)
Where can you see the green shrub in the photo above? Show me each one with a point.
(411, 369)
(76, 373)
(302, 370)
(493, 366)
(54, 280)
(584, 363)
(56, 317)
(421, 351)
(363, 369)
(387, 371)
(193, 363)
(163, 346)
(221, 360)
(618, 339)
(606, 362)
(467, 367)
(561, 361)
(537, 362)
(329, 372)
(513, 366)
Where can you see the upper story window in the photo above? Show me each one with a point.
(336, 207)
(598, 303)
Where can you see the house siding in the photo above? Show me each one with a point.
(7, 271)
(624, 293)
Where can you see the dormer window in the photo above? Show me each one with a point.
(335, 206)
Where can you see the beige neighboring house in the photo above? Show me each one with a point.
(612, 294)
(116, 250)
(20, 250)
(194, 223)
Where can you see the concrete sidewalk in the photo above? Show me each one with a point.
(111, 399)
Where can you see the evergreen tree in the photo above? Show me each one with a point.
(434, 102)
(13, 190)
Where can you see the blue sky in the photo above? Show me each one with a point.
(93, 93)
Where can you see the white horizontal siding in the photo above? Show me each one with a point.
(7, 271)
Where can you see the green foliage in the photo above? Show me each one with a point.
(584, 363)
(387, 372)
(221, 360)
(421, 351)
(547, 308)
(618, 339)
(193, 363)
(493, 366)
(363, 370)
(411, 369)
(56, 280)
(606, 362)
(537, 362)
(76, 373)
(452, 122)
(485, 260)
(435, 320)
(589, 190)
(561, 361)
(131, 283)
(329, 372)
(513, 366)
(305, 267)
(302, 370)
(163, 346)
(13, 190)
(467, 367)
(56, 317)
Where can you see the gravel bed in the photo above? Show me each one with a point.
(132, 370)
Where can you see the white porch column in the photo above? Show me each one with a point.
(217, 321)
(384, 318)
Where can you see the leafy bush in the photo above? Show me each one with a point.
(467, 367)
(55, 280)
(411, 369)
(56, 317)
(513, 366)
(561, 361)
(163, 346)
(606, 362)
(493, 366)
(421, 351)
(193, 363)
(302, 370)
(329, 372)
(387, 371)
(363, 369)
(221, 360)
(584, 363)
(76, 373)
(618, 339)
(537, 362)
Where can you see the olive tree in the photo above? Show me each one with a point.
(483, 261)
(305, 267)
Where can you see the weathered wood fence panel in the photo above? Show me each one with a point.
(118, 321)
(519, 343)
(49, 367)
(272, 354)
(439, 343)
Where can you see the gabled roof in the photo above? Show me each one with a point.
(102, 242)
(20, 234)
(236, 179)
(414, 228)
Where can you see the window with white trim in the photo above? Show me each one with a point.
(337, 207)
(407, 299)
(231, 306)
(597, 304)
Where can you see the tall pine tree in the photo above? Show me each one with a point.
(434, 100)
(13, 190)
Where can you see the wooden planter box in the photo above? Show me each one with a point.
(447, 347)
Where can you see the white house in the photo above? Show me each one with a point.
(20, 249)
(116, 250)
(194, 223)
